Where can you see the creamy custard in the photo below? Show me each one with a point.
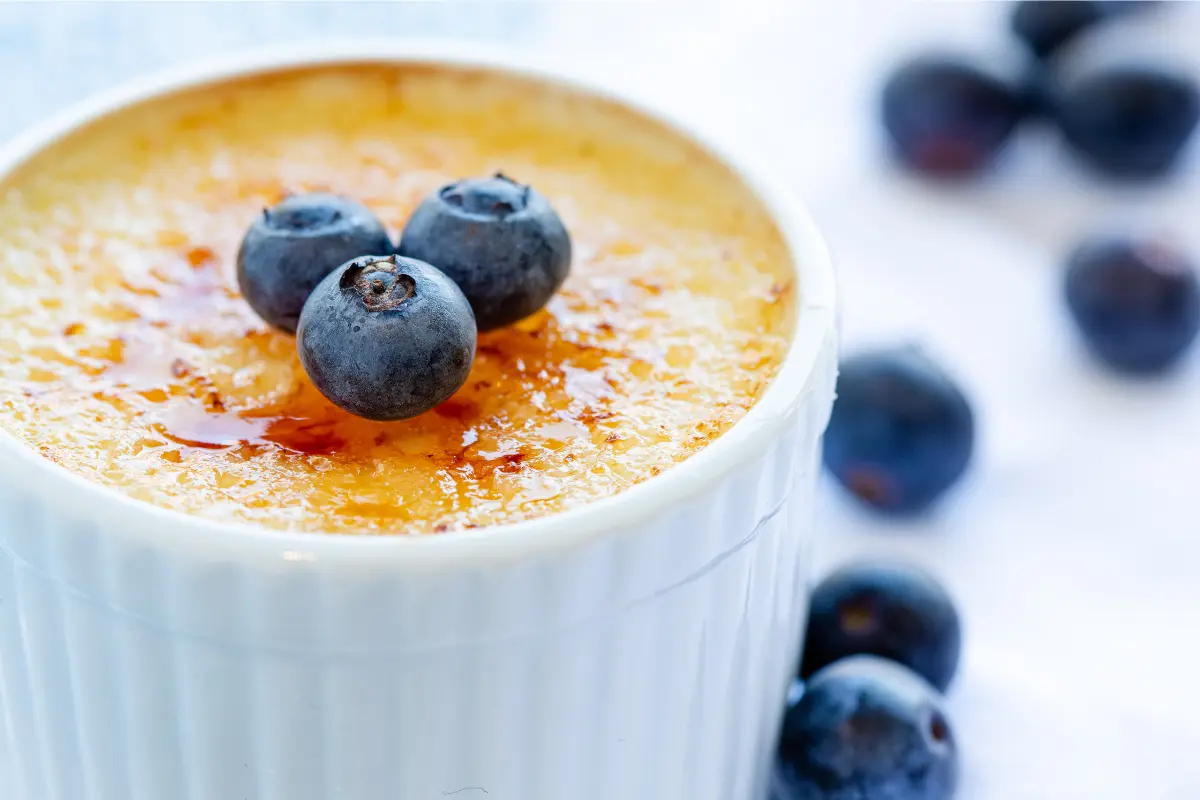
(128, 357)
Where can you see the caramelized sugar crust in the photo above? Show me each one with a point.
(127, 355)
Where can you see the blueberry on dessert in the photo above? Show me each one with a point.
(293, 246)
(891, 610)
(500, 241)
(866, 729)
(387, 338)
(1136, 302)
(901, 432)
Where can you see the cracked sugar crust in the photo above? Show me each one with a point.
(128, 357)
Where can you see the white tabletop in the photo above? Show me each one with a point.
(1072, 548)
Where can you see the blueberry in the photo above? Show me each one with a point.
(948, 118)
(1129, 122)
(387, 338)
(866, 729)
(293, 246)
(901, 433)
(1046, 25)
(1121, 8)
(500, 241)
(893, 611)
(1137, 303)
(1039, 91)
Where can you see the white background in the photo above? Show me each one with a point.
(1074, 547)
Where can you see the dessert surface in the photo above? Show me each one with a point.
(128, 356)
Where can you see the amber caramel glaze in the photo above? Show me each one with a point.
(129, 357)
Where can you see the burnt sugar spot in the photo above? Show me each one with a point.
(200, 425)
(460, 409)
(311, 436)
(194, 425)
(510, 463)
(200, 257)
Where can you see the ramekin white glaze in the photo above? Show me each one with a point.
(637, 648)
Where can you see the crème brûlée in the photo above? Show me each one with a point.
(128, 356)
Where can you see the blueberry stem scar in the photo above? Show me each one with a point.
(368, 278)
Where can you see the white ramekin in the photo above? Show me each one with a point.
(637, 648)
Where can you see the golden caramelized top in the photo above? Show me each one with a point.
(127, 355)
